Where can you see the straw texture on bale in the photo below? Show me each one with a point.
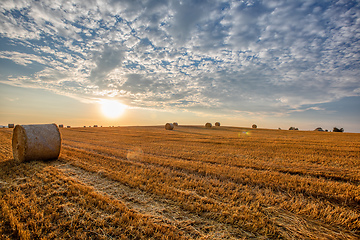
(36, 142)
(208, 125)
(169, 126)
(217, 124)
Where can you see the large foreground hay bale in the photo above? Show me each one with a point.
(169, 126)
(208, 125)
(36, 142)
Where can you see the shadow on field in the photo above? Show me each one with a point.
(8, 163)
(11, 169)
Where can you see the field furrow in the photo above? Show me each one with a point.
(214, 190)
(163, 182)
(333, 191)
(153, 206)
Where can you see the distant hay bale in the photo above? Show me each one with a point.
(175, 124)
(335, 129)
(68, 127)
(61, 125)
(254, 126)
(36, 142)
(10, 125)
(95, 125)
(169, 126)
(208, 125)
(217, 124)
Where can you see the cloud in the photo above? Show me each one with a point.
(263, 56)
(106, 60)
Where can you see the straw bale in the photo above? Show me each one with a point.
(175, 124)
(61, 125)
(169, 126)
(217, 124)
(10, 125)
(36, 142)
(208, 125)
(254, 126)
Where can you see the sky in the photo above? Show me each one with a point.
(275, 63)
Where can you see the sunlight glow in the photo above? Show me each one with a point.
(112, 109)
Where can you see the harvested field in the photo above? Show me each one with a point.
(190, 183)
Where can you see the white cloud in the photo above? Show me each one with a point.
(23, 58)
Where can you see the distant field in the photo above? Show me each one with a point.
(189, 183)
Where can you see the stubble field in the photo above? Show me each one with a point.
(189, 183)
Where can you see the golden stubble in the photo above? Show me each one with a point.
(223, 183)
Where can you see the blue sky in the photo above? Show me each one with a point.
(274, 63)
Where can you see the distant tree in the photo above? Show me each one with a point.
(293, 128)
(335, 129)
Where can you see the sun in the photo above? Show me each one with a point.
(111, 108)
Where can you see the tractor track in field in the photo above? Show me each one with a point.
(136, 160)
(161, 210)
(315, 173)
(164, 210)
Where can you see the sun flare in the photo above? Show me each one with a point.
(112, 109)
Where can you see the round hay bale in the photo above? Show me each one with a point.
(61, 125)
(36, 142)
(175, 124)
(217, 124)
(10, 125)
(208, 125)
(169, 126)
(254, 126)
